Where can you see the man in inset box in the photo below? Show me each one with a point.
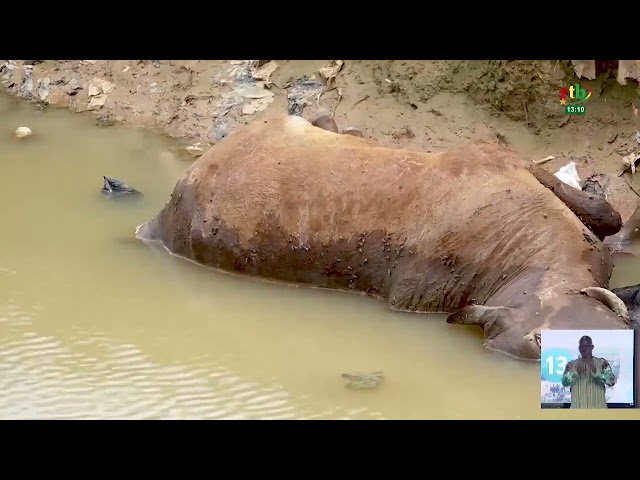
(588, 377)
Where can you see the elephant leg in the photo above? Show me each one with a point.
(593, 210)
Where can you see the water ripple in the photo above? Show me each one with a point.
(42, 378)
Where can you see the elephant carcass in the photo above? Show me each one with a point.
(470, 232)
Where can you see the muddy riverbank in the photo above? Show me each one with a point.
(427, 105)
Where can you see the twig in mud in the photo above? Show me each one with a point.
(360, 101)
(335, 107)
(544, 160)
(526, 114)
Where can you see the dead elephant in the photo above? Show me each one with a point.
(470, 232)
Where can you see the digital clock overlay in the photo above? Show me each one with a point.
(573, 99)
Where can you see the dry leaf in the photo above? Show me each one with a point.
(251, 91)
(630, 161)
(628, 69)
(98, 100)
(265, 71)
(330, 71)
(585, 68)
(256, 105)
(97, 86)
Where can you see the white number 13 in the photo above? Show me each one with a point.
(561, 364)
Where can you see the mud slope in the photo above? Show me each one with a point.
(427, 105)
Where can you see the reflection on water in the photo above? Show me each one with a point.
(96, 325)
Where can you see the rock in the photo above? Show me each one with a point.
(58, 98)
(22, 132)
(198, 149)
(8, 70)
(26, 88)
(220, 129)
(98, 86)
(105, 120)
(97, 102)
(74, 85)
(43, 89)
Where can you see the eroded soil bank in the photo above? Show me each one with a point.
(426, 105)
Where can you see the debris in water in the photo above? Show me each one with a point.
(113, 186)
(363, 381)
(569, 175)
(105, 121)
(198, 149)
(22, 132)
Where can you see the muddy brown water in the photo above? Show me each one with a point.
(94, 324)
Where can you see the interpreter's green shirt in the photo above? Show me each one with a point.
(588, 389)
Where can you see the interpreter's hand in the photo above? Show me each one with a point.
(588, 365)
